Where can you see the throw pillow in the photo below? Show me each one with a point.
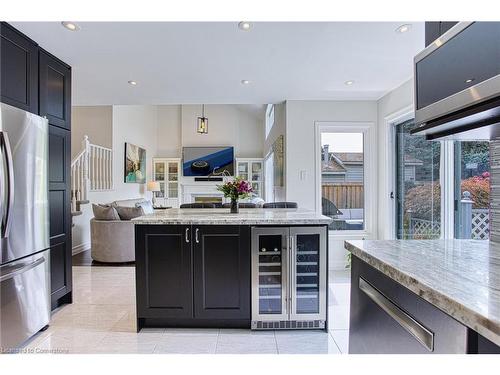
(102, 212)
(146, 206)
(128, 213)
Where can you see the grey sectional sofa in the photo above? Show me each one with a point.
(112, 241)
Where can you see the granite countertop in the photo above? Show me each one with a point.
(249, 216)
(460, 277)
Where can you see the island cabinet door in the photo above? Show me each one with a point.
(164, 271)
(221, 272)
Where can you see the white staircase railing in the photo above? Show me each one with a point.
(91, 170)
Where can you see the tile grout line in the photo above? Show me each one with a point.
(335, 342)
(276, 342)
(217, 342)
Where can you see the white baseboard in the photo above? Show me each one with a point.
(79, 248)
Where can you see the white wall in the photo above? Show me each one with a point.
(391, 107)
(300, 140)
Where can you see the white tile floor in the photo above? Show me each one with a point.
(102, 320)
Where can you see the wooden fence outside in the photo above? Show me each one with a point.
(344, 195)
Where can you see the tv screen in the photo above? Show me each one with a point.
(207, 161)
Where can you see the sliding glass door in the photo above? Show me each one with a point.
(418, 188)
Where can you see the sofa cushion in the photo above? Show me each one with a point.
(105, 212)
(128, 213)
(128, 202)
(147, 207)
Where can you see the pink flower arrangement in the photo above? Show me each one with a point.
(236, 189)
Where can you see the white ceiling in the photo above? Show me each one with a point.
(204, 62)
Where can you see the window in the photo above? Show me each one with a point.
(418, 188)
(269, 118)
(472, 190)
(342, 179)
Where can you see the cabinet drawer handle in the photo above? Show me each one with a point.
(414, 328)
(196, 235)
(187, 235)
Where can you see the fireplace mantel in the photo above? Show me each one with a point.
(191, 189)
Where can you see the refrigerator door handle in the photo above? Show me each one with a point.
(21, 269)
(4, 140)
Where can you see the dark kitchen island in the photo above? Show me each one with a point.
(259, 269)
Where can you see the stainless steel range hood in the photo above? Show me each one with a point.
(457, 84)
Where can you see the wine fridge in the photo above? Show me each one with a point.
(289, 283)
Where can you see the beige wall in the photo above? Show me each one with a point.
(96, 122)
(228, 125)
(169, 131)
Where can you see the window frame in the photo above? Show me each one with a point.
(369, 172)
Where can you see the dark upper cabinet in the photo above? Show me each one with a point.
(19, 69)
(164, 271)
(435, 29)
(60, 214)
(55, 90)
(222, 272)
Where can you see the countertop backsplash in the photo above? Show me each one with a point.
(495, 190)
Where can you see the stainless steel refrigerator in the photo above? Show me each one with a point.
(24, 226)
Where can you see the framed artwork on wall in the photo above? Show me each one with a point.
(135, 164)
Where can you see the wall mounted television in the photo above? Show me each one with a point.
(207, 161)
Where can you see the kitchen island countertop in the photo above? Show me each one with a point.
(246, 216)
(460, 277)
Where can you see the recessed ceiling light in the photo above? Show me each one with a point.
(71, 26)
(245, 81)
(133, 83)
(348, 83)
(244, 25)
(469, 80)
(403, 28)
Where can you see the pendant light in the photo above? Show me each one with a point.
(202, 125)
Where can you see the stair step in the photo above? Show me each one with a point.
(76, 213)
(83, 202)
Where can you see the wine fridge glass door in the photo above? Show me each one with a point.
(269, 274)
(308, 273)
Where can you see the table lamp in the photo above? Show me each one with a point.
(153, 186)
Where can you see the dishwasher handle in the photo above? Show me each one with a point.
(423, 335)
